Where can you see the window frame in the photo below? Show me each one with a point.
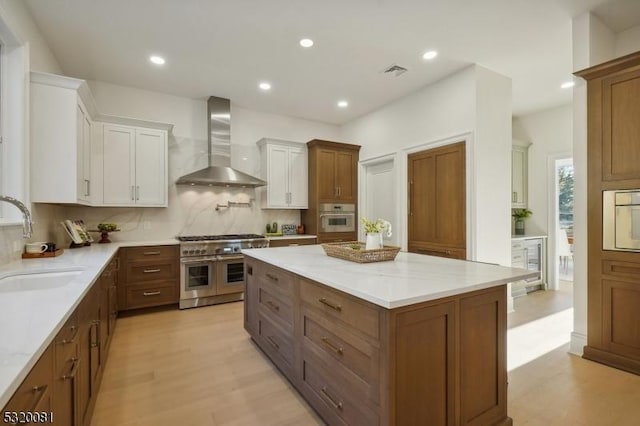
(14, 106)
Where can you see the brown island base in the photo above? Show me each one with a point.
(439, 362)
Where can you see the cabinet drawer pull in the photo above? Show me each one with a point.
(73, 338)
(333, 347)
(336, 405)
(273, 305)
(329, 304)
(271, 277)
(275, 344)
(42, 390)
(151, 293)
(151, 253)
(151, 271)
(74, 369)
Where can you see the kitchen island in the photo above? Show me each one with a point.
(419, 340)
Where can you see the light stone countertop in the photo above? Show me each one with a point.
(411, 278)
(30, 319)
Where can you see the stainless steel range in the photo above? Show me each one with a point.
(212, 267)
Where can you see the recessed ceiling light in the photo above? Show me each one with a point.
(343, 104)
(306, 42)
(429, 54)
(158, 60)
(567, 84)
(264, 86)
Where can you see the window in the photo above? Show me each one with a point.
(14, 72)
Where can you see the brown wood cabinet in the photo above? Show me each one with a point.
(333, 178)
(35, 394)
(66, 382)
(67, 376)
(613, 155)
(148, 277)
(434, 363)
(285, 242)
(437, 202)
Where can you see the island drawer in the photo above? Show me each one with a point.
(275, 277)
(358, 315)
(337, 402)
(352, 358)
(274, 305)
(154, 294)
(517, 245)
(277, 343)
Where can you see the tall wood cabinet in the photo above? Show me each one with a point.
(333, 178)
(613, 151)
(437, 201)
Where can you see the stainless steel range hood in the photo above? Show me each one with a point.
(219, 172)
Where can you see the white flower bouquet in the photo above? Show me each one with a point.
(376, 227)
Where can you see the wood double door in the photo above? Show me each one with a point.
(437, 201)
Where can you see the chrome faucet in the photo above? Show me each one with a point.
(27, 223)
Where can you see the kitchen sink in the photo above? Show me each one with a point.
(37, 279)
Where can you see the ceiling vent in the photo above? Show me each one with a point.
(395, 69)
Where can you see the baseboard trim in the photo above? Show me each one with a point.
(612, 360)
(577, 343)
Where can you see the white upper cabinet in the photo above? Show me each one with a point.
(135, 166)
(285, 168)
(519, 173)
(79, 156)
(60, 140)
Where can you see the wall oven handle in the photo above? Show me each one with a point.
(336, 214)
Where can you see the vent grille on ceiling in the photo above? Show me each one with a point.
(395, 69)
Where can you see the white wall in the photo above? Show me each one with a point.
(192, 209)
(436, 112)
(16, 16)
(551, 133)
(475, 102)
(628, 41)
(492, 167)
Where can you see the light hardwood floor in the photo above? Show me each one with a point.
(198, 367)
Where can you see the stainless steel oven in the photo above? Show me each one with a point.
(621, 220)
(197, 277)
(337, 217)
(212, 267)
(230, 274)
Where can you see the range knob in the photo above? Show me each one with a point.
(192, 251)
(185, 251)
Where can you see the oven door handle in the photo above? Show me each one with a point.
(238, 257)
(198, 260)
(337, 214)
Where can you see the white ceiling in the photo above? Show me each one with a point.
(224, 48)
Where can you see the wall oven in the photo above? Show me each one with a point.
(337, 217)
(621, 220)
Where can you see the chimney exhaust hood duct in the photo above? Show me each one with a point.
(219, 172)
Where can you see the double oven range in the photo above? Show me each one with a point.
(212, 267)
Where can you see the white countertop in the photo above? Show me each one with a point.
(29, 320)
(411, 278)
(290, 237)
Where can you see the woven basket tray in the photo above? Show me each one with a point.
(347, 252)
